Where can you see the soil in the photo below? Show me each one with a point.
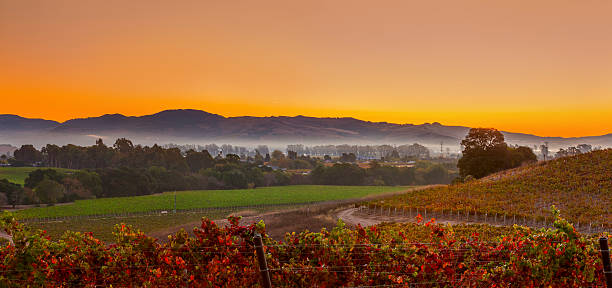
(277, 223)
(313, 218)
(353, 217)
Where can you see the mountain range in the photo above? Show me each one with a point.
(187, 126)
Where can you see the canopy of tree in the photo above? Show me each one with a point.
(485, 152)
(350, 174)
(9, 192)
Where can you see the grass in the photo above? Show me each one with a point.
(19, 174)
(158, 224)
(103, 228)
(208, 198)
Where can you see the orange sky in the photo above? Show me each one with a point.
(541, 67)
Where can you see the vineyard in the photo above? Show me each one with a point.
(389, 255)
(414, 254)
(189, 200)
(580, 186)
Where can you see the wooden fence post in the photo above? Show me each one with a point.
(263, 265)
(605, 258)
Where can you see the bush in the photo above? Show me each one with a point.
(49, 191)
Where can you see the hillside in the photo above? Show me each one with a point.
(10, 122)
(196, 126)
(580, 186)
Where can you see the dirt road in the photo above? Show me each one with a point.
(353, 217)
(321, 215)
(277, 223)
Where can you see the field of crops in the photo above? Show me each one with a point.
(19, 174)
(580, 186)
(208, 198)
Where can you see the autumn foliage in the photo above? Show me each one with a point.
(390, 254)
(578, 185)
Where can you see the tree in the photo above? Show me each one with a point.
(124, 145)
(3, 199)
(74, 190)
(339, 174)
(125, 181)
(100, 155)
(484, 152)
(259, 160)
(520, 155)
(436, 174)
(49, 191)
(12, 191)
(232, 158)
(277, 155)
(544, 150)
(90, 181)
(199, 160)
(585, 148)
(38, 175)
(414, 151)
(348, 158)
(291, 155)
(51, 153)
(27, 154)
(235, 179)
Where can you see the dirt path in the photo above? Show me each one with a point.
(321, 215)
(353, 217)
(277, 223)
(348, 217)
(247, 218)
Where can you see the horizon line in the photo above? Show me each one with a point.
(299, 115)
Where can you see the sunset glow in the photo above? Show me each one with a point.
(538, 67)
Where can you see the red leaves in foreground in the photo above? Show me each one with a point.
(225, 257)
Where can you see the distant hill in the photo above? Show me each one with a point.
(10, 122)
(195, 126)
(173, 122)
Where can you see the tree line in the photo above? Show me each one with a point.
(125, 169)
(424, 172)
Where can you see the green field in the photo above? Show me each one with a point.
(208, 198)
(103, 228)
(149, 223)
(19, 174)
